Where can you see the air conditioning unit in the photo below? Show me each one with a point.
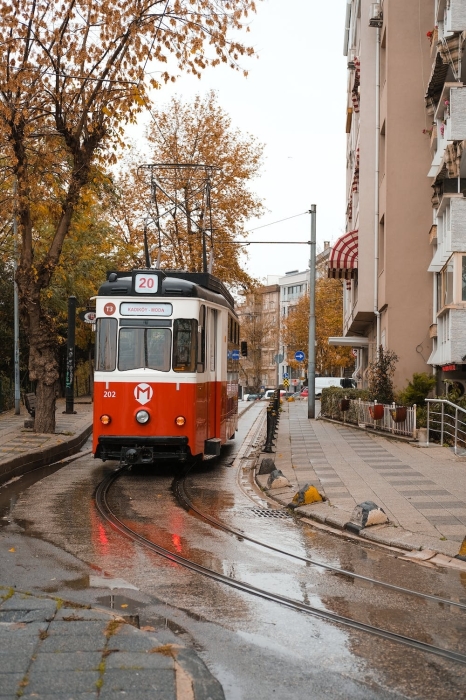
(375, 15)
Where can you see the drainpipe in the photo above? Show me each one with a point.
(376, 201)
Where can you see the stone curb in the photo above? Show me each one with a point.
(387, 535)
(41, 457)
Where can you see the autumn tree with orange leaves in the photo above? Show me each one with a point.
(192, 134)
(330, 360)
(73, 73)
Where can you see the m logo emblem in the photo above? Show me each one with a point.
(143, 393)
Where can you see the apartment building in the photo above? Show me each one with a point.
(446, 110)
(259, 318)
(384, 254)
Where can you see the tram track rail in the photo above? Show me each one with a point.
(103, 507)
(180, 493)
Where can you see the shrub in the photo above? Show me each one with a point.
(417, 390)
(330, 403)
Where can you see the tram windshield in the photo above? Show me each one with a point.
(144, 348)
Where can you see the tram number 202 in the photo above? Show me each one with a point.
(109, 394)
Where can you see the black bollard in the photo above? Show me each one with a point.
(269, 438)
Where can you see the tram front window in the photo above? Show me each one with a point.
(144, 348)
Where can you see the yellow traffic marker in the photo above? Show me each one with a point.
(12, 549)
(462, 553)
(308, 494)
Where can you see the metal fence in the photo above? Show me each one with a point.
(399, 420)
(446, 423)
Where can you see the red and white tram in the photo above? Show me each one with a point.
(166, 366)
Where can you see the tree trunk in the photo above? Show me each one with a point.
(45, 407)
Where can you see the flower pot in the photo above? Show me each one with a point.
(344, 405)
(377, 411)
(399, 414)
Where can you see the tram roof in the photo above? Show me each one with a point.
(174, 283)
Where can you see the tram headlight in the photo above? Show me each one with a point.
(180, 420)
(142, 417)
(105, 419)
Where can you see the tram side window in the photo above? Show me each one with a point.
(201, 340)
(184, 345)
(106, 337)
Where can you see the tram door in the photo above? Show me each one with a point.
(214, 384)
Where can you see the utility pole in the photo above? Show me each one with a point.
(311, 367)
(16, 314)
(70, 356)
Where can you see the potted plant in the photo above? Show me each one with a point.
(377, 411)
(399, 414)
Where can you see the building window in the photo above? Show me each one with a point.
(447, 283)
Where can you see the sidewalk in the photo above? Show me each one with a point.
(22, 450)
(422, 490)
(51, 651)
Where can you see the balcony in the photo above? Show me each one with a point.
(449, 125)
(450, 230)
(451, 16)
(450, 339)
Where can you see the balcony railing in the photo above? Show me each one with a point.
(446, 423)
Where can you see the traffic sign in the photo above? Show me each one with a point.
(286, 382)
(87, 316)
(286, 375)
(278, 358)
(299, 356)
(235, 354)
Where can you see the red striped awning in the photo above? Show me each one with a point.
(343, 259)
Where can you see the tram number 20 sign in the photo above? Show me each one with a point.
(146, 283)
(286, 382)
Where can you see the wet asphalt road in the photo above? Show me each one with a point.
(257, 649)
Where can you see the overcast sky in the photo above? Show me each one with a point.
(294, 101)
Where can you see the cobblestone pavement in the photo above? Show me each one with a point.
(49, 651)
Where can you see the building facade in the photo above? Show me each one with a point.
(446, 112)
(259, 317)
(384, 254)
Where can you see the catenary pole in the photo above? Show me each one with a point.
(311, 367)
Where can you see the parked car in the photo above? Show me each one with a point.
(253, 397)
